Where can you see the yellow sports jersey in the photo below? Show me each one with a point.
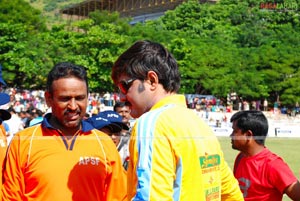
(174, 155)
(43, 165)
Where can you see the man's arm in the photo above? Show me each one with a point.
(293, 191)
(13, 185)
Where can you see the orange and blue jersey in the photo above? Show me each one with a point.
(3, 147)
(42, 164)
(174, 155)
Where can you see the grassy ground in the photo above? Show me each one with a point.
(287, 148)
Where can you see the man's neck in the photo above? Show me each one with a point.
(254, 150)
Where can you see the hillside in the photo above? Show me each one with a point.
(50, 8)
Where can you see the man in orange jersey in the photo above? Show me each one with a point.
(64, 158)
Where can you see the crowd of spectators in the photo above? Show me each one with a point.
(27, 107)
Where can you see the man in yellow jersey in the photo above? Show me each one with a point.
(174, 155)
(64, 158)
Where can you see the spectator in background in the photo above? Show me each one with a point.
(111, 123)
(37, 118)
(262, 175)
(15, 123)
(18, 107)
(24, 118)
(64, 158)
(265, 105)
(5, 125)
(30, 116)
(195, 102)
(123, 109)
(198, 110)
(107, 99)
(174, 155)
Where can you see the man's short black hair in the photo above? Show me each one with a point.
(252, 120)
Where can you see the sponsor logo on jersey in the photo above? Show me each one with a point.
(209, 161)
(89, 160)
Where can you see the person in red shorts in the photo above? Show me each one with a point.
(64, 158)
(262, 175)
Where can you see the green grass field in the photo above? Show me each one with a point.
(287, 148)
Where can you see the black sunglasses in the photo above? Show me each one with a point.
(124, 85)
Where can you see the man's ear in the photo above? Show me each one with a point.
(48, 98)
(152, 77)
(249, 134)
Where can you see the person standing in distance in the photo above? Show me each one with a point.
(174, 155)
(64, 158)
(262, 175)
(110, 122)
(124, 111)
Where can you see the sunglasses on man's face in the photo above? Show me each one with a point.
(124, 85)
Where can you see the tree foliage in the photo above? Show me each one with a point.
(20, 12)
(239, 46)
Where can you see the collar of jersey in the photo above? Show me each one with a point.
(86, 127)
(176, 99)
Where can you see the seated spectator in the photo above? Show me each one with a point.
(15, 123)
(110, 122)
